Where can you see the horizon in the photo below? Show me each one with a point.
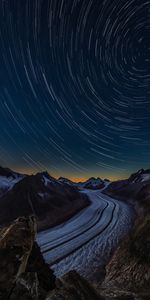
(72, 178)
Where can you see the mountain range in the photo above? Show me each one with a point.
(52, 201)
(91, 183)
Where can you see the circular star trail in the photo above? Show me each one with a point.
(75, 86)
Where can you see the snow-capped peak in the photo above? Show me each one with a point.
(8, 179)
(141, 176)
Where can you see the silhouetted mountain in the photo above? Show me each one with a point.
(42, 195)
(6, 172)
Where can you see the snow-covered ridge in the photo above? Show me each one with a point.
(141, 176)
(48, 179)
(91, 183)
(145, 177)
(8, 179)
(8, 182)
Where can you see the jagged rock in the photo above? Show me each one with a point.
(73, 287)
(27, 288)
(37, 264)
(15, 246)
(23, 272)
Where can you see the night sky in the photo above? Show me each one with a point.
(75, 86)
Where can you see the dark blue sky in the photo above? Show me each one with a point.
(75, 86)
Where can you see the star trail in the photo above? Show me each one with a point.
(75, 86)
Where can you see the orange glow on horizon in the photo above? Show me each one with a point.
(77, 179)
(29, 171)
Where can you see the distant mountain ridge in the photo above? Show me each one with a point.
(9, 178)
(91, 183)
(8, 172)
(51, 200)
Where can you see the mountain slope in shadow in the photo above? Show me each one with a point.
(50, 201)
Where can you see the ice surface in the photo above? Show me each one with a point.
(86, 241)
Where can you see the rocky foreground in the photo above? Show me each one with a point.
(25, 276)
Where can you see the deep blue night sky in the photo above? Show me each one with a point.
(75, 86)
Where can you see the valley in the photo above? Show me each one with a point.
(86, 241)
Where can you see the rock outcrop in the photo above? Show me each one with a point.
(23, 272)
(73, 287)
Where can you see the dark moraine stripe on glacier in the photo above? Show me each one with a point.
(86, 241)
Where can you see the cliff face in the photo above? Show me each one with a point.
(23, 272)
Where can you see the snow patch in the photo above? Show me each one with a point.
(145, 177)
(43, 195)
(46, 180)
(7, 183)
